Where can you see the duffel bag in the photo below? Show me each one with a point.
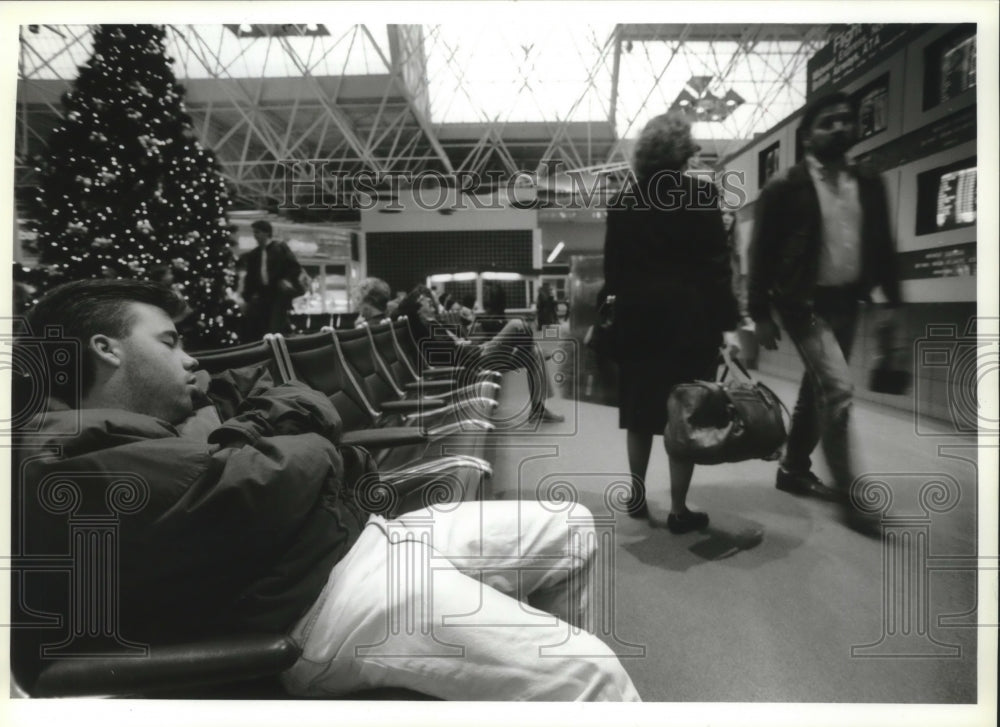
(711, 422)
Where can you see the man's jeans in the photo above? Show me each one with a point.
(437, 601)
(822, 411)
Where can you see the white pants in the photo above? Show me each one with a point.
(429, 602)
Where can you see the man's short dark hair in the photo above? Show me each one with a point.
(820, 104)
(263, 226)
(85, 308)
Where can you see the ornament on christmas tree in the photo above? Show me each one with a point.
(135, 200)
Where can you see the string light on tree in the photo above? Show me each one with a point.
(125, 187)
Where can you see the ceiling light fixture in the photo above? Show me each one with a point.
(502, 276)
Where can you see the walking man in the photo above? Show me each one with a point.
(822, 241)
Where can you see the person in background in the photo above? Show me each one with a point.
(235, 293)
(821, 242)
(372, 296)
(273, 280)
(667, 263)
(393, 305)
(467, 314)
(546, 307)
(512, 348)
(494, 309)
(735, 261)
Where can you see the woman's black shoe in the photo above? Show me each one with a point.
(636, 506)
(638, 509)
(690, 520)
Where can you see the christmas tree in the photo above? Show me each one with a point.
(127, 191)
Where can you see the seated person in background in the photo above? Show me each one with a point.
(546, 307)
(393, 304)
(448, 303)
(494, 309)
(466, 314)
(260, 527)
(372, 301)
(513, 347)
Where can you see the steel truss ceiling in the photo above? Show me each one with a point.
(492, 101)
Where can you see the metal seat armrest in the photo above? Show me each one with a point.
(429, 371)
(480, 388)
(430, 384)
(384, 438)
(465, 425)
(479, 403)
(406, 406)
(437, 467)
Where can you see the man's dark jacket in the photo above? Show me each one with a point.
(788, 233)
(268, 305)
(238, 533)
(281, 265)
(666, 259)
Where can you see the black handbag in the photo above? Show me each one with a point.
(711, 422)
(600, 337)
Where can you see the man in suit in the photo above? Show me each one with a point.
(271, 282)
(822, 241)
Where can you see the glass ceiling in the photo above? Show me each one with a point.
(507, 73)
(493, 72)
(208, 51)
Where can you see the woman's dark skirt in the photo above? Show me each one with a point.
(644, 383)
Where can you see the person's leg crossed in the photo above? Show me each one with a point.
(410, 618)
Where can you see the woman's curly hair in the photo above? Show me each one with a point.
(665, 144)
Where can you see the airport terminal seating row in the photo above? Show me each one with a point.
(427, 427)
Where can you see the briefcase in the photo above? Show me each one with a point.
(711, 422)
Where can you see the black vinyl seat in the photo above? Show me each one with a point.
(400, 440)
(215, 361)
(422, 369)
(405, 383)
(313, 360)
(376, 385)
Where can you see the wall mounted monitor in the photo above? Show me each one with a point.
(872, 103)
(946, 197)
(950, 66)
